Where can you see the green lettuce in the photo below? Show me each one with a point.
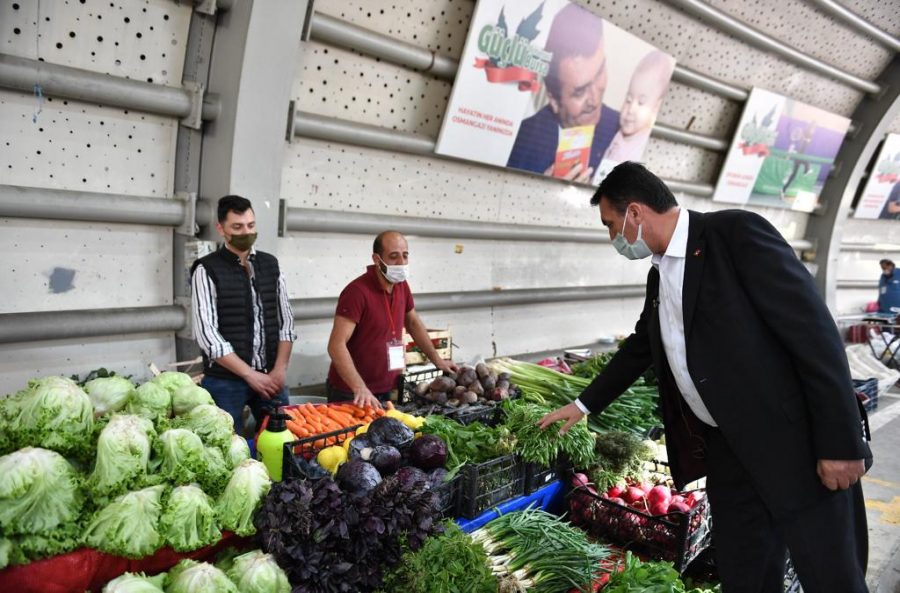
(136, 583)
(128, 526)
(123, 454)
(216, 472)
(62, 539)
(213, 424)
(256, 572)
(172, 380)
(187, 397)
(189, 522)
(182, 459)
(150, 400)
(109, 394)
(39, 491)
(190, 576)
(53, 413)
(238, 451)
(243, 496)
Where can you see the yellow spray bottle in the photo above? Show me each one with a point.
(270, 444)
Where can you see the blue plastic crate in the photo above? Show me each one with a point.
(549, 497)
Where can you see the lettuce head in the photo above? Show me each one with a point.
(187, 397)
(189, 521)
(39, 491)
(136, 583)
(151, 401)
(257, 572)
(190, 576)
(213, 424)
(53, 413)
(129, 525)
(243, 496)
(238, 450)
(123, 454)
(109, 394)
(172, 380)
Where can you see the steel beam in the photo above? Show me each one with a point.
(87, 323)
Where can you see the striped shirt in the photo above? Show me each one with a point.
(206, 317)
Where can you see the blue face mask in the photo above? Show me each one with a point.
(636, 250)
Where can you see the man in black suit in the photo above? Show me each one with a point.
(754, 384)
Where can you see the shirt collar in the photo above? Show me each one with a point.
(678, 243)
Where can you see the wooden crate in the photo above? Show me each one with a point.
(441, 340)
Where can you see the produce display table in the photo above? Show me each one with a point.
(89, 570)
(549, 497)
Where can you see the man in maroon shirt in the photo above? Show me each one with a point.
(366, 343)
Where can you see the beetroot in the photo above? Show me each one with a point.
(428, 452)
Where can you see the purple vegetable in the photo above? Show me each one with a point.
(437, 477)
(389, 431)
(385, 458)
(357, 476)
(428, 452)
(407, 476)
(357, 445)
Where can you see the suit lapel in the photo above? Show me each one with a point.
(693, 268)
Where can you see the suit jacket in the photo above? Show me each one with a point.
(764, 353)
(538, 139)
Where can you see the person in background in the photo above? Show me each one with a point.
(642, 102)
(366, 344)
(888, 289)
(576, 82)
(242, 318)
(773, 423)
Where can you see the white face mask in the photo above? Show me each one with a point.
(394, 274)
(636, 250)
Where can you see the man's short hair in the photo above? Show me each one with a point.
(886, 262)
(236, 204)
(631, 182)
(575, 31)
(377, 246)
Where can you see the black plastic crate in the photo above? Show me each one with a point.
(675, 537)
(487, 484)
(538, 476)
(448, 497)
(300, 453)
(410, 402)
(406, 383)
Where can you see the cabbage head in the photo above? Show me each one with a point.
(150, 401)
(53, 413)
(109, 394)
(39, 491)
(172, 380)
(257, 572)
(238, 450)
(213, 424)
(187, 397)
(190, 576)
(129, 525)
(243, 496)
(189, 522)
(136, 583)
(123, 453)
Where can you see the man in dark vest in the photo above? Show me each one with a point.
(243, 321)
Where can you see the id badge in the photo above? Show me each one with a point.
(396, 355)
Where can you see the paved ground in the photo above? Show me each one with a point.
(882, 490)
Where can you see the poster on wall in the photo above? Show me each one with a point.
(782, 153)
(549, 87)
(881, 196)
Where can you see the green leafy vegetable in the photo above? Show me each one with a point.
(644, 577)
(544, 446)
(187, 397)
(211, 423)
(190, 576)
(172, 380)
(136, 583)
(620, 456)
(238, 451)
(189, 521)
(257, 572)
(150, 400)
(472, 443)
(128, 526)
(53, 413)
(243, 495)
(109, 394)
(39, 491)
(123, 453)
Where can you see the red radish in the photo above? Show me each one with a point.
(640, 505)
(647, 486)
(632, 494)
(694, 498)
(618, 500)
(659, 494)
(616, 491)
(679, 507)
(579, 480)
(677, 498)
(659, 508)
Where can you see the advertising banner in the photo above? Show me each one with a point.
(782, 153)
(881, 196)
(549, 87)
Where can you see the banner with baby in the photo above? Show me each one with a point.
(549, 87)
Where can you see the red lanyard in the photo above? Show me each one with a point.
(390, 313)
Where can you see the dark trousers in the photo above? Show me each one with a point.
(233, 394)
(828, 543)
(336, 395)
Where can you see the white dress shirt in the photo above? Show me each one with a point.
(671, 317)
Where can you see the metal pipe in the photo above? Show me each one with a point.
(336, 32)
(692, 78)
(753, 36)
(312, 309)
(22, 74)
(665, 132)
(870, 248)
(331, 221)
(330, 129)
(857, 284)
(852, 19)
(56, 204)
(86, 323)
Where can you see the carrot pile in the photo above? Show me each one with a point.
(307, 420)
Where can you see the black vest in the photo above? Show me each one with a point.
(235, 307)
